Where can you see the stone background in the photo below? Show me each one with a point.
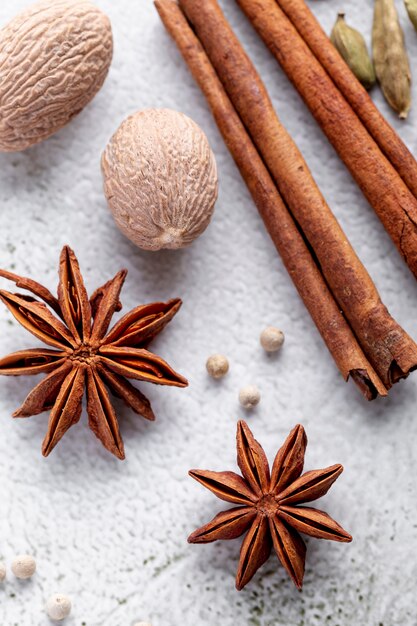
(112, 534)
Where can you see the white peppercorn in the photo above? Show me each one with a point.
(217, 365)
(58, 607)
(24, 566)
(272, 339)
(249, 396)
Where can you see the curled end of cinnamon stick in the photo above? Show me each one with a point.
(370, 386)
(396, 372)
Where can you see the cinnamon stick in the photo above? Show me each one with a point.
(386, 345)
(388, 140)
(380, 182)
(297, 259)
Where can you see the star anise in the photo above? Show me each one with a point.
(267, 505)
(85, 355)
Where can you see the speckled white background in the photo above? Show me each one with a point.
(112, 534)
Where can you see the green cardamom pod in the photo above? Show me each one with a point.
(352, 48)
(411, 6)
(391, 63)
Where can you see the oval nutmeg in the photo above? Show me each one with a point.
(160, 179)
(54, 58)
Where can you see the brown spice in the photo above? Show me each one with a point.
(54, 58)
(268, 510)
(387, 346)
(160, 179)
(389, 142)
(289, 242)
(85, 354)
(381, 184)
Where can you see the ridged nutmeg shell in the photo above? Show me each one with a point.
(54, 58)
(160, 179)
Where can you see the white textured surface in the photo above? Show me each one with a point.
(112, 535)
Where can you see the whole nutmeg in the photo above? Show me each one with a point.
(160, 179)
(54, 58)
(24, 566)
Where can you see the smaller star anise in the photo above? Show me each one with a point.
(268, 505)
(85, 355)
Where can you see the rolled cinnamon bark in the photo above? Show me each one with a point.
(380, 182)
(388, 140)
(386, 345)
(297, 259)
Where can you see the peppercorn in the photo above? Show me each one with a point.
(249, 396)
(58, 607)
(272, 339)
(24, 566)
(217, 365)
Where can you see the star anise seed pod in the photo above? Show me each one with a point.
(85, 355)
(268, 508)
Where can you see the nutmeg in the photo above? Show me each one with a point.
(54, 58)
(160, 179)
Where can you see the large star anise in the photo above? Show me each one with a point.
(85, 355)
(267, 505)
